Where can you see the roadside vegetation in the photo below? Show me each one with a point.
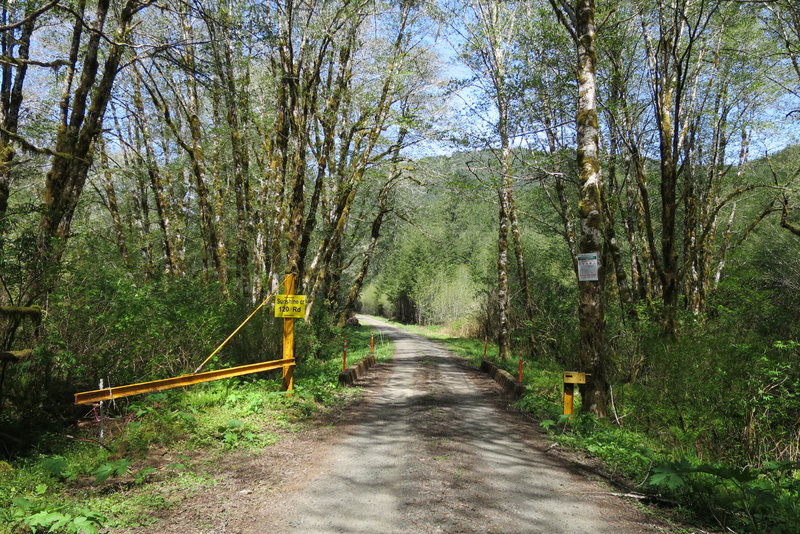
(707, 423)
(160, 449)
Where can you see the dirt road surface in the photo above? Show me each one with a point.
(430, 449)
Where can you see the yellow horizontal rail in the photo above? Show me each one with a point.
(89, 397)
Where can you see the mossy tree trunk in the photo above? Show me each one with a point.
(579, 20)
(593, 352)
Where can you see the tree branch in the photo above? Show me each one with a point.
(785, 218)
(18, 62)
(30, 17)
(566, 16)
(27, 145)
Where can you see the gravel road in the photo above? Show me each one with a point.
(434, 451)
(430, 448)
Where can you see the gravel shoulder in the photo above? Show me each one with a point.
(430, 448)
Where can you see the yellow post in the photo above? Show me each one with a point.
(569, 398)
(288, 339)
(570, 379)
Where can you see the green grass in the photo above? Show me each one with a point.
(161, 448)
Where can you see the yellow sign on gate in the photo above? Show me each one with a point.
(290, 306)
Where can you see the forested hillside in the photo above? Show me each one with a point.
(610, 188)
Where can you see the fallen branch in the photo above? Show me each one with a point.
(638, 496)
(89, 440)
(642, 497)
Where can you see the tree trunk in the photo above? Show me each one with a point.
(669, 179)
(209, 214)
(355, 289)
(236, 103)
(613, 248)
(522, 273)
(590, 310)
(503, 298)
(140, 218)
(113, 207)
(172, 266)
(11, 97)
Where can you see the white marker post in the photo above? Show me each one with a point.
(102, 430)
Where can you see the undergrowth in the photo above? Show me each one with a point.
(158, 448)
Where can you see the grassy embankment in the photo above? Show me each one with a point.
(161, 448)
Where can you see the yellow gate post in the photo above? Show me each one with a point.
(288, 339)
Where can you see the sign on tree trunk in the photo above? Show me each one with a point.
(588, 267)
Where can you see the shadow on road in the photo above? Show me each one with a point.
(432, 453)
